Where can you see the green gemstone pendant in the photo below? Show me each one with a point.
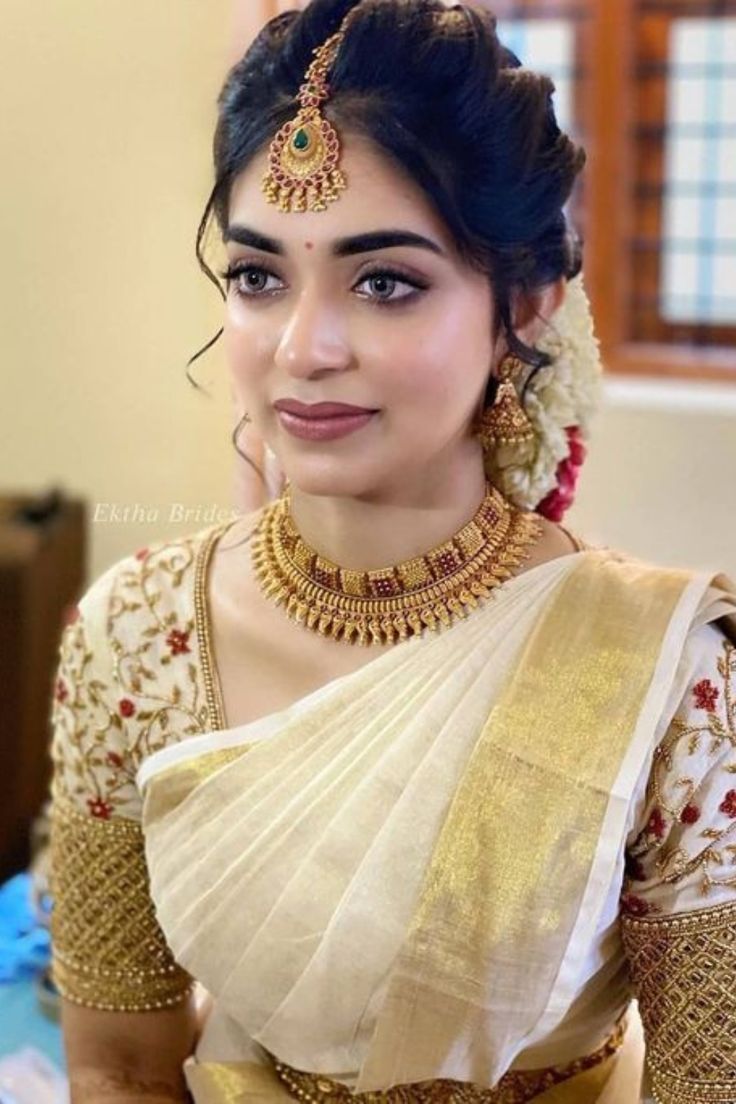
(303, 165)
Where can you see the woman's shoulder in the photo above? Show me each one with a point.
(142, 626)
(634, 564)
(618, 578)
(153, 580)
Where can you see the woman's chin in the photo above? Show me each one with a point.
(327, 479)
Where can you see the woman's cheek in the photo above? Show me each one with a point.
(243, 344)
(235, 353)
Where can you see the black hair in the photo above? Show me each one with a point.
(436, 91)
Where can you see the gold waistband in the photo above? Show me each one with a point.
(515, 1087)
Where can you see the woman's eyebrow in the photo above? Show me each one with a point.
(383, 239)
(343, 247)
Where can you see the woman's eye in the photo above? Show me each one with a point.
(253, 281)
(383, 287)
(250, 280)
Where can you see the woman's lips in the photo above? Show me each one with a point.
(320, 409)
(322, 428)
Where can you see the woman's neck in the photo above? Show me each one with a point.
(363, 533)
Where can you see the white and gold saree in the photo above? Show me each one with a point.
(409, 883)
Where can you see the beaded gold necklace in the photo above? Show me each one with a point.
(389, 604)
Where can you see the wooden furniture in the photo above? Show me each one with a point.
(42, 571)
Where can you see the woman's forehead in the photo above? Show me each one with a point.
(378, 194)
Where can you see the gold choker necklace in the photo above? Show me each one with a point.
(387, 605)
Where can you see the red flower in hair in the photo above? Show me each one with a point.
(560, 499)
(552, 507)
(578, 451)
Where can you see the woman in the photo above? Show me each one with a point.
(435, 865)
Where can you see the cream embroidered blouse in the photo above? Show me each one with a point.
(135, 675)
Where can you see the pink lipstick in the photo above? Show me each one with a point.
(321, 421)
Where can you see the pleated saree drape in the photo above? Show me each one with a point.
(397, 878)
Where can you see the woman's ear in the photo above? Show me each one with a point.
(531, 311)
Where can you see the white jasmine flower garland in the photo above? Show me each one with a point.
(564, 394)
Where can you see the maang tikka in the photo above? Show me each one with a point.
(304, 175)
(505, 422)
(303, 171)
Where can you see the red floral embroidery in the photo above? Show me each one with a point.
(113, 759)
(635, 906)
(178, 641)
(706, 695)
(126, 707)
(657, 824)
(141, 553)
(728, 805)
(710, 736)
(61, 693)
(99, 808)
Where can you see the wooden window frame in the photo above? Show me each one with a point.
(603, 205)
(611, 182)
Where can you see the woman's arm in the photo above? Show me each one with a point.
(679, 906)
(128, 1008)
(125, 1057)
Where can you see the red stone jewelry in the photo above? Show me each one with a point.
(386, 605)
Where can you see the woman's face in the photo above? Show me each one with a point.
(365, 303)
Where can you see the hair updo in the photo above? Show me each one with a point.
(436, 91)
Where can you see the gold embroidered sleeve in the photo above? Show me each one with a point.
(684, 973)
(108, 950)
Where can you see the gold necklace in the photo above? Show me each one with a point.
(387, 605)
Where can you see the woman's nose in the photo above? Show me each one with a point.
(314, 339)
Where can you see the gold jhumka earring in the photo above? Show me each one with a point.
(505, 422)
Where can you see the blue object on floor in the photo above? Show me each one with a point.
(25, 945)
(22, 1023)
(25, 952)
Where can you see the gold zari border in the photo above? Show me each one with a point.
(515, 1087)
(684, 971)
(108, 949)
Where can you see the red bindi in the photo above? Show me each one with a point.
(309, 245)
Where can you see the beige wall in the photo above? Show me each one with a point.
(660, 479)
(108, 109)
(105, 133)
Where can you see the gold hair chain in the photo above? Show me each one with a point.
(303, 172)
